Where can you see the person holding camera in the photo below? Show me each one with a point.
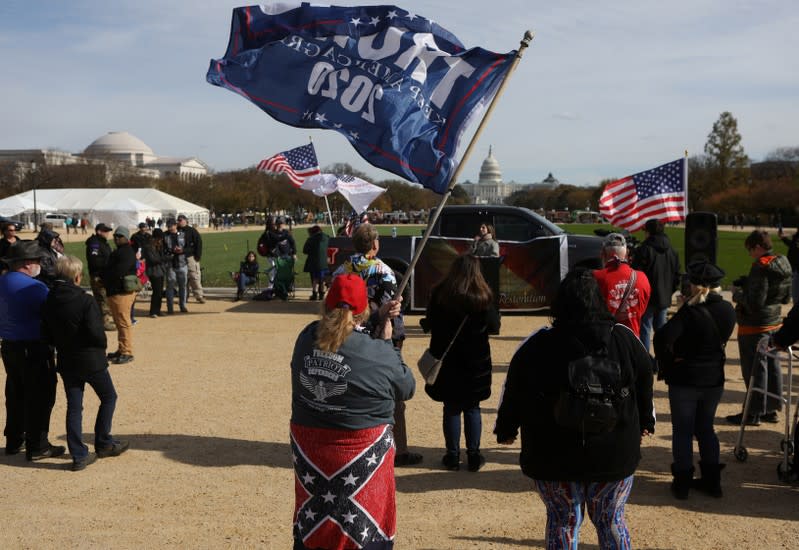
(759, 297)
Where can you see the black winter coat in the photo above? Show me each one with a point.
(658, 260)
(194, 242)
(122, 262)
(97, 253)
(465, 374)
(538, 373)
(48, 258)
(688, 349)
(72, 322)
(156, 261)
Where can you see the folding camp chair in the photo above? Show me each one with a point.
(282, 273)
(253, 287)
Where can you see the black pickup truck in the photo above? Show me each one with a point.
(535, 254)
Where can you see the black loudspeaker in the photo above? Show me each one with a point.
(701, 237)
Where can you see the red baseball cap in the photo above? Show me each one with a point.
(347, 291)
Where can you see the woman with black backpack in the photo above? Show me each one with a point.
(581, 392)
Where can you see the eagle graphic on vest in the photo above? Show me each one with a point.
(321, 389)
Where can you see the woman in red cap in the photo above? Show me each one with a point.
(344, 384)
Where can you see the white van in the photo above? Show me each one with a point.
(58, 220)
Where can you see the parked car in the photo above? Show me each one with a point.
(19, 225)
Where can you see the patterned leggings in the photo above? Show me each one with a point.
(565, 502)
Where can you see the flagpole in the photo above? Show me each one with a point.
(525, 42)
(327, 204)
(330, 217)
(685, 184)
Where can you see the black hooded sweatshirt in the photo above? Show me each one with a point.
(656, 257)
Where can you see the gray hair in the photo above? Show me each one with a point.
(68, 267)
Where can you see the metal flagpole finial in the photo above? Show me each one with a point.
(528, 37)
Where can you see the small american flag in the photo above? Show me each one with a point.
(297, 163)
(658, 193)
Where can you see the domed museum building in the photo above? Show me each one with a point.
(119, 151)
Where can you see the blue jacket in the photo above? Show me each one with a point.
(21, 299)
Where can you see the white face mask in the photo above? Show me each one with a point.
(36, 269)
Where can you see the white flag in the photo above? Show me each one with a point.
(359, 193)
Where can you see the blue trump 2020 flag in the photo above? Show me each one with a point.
(399, 87)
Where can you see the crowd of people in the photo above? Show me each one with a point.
(51, 325)
(584, 384)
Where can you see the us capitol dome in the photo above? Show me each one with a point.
(490, 189)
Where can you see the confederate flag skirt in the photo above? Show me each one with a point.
(344, 488)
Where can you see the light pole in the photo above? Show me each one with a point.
(35, 210)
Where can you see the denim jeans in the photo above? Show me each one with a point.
(692, 412)
(767, 374)
(473, 425)
(651, 320)
(245, 280)
(566, 502)
(104, 388)
(176, 277)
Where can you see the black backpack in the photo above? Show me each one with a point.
(592, 403)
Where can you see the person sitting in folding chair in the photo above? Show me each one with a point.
(247, 276)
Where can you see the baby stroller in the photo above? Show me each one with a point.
(282, 274)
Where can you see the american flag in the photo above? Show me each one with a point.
(297, 163)
(658, 193)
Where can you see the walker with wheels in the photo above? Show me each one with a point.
(787, 469)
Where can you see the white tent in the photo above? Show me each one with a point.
(21, 204)
(116, 207)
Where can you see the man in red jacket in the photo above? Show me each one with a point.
(625, 289)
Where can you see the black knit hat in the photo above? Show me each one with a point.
(704, 273)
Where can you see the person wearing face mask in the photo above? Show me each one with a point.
(29, 363)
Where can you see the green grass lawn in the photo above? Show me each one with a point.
(223, 250)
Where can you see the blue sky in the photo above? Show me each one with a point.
(605, 89)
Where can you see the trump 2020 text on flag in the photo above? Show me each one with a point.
(298, 163)
(658, 193)
(399, 87)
